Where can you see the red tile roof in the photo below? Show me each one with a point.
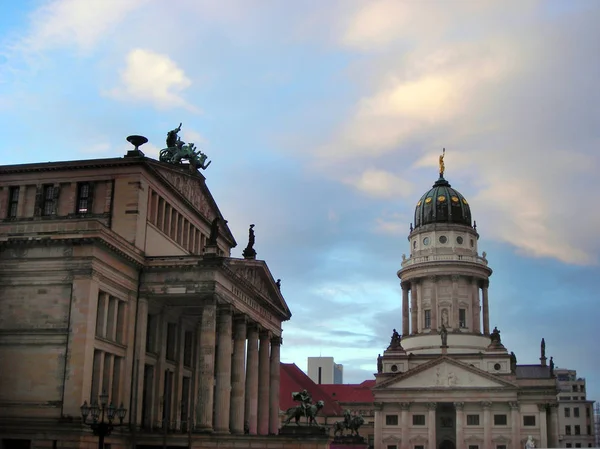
(350, 392)
(293, 379)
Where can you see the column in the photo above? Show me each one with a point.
(404, 425)
(378, 418)
(543, 426)
(206, 367)
(251, 406)
(515, 425)
(274, 386)
(454, 324)
(431, 425)
(486, 310)
(419, 300)
(223, 370)
(434, 307)
(414, 307)
(487, 424)
(405, 287)
(475, 308)
(238, 384)
(263, 383)
(460, 422)
(553, 430)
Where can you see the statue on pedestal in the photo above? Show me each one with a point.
(530, 443)
(214, 232)
(513, 363)
(379, 364)
(249, 252)
(444, 335)
(306, 408)
(395, 341)
(177, 150)
(351, 422)
(495, 336)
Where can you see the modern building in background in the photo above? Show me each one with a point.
(323, 370)
(575, 413)
(116, 276)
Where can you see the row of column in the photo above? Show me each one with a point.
(411, 315)
(247, 379)
(548, 436)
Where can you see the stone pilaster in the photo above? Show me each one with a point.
(434, 304)
(223, 370)
(251, 405)
(543, 426)
(475, 308)
(414, 307)
(405, 288)
(404, 406)
(431, 425)
(515, 425)
(487, 424)
(263, 383)
(274, 386)
(486, 309)
(454, 320)
(378, 418)
(553, 428)
(206, 367)
(236, 411)
(460, 423)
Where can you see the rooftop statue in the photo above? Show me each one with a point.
(513, 363)
(442, 166)
(214, 232)
(395, 342)
(552, 366)
(350, 422)
(249, 252)
(495, 336)
(306, 408)
(177, 150)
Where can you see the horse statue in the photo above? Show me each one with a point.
(177, 150)
(299, 411)
(350, 422)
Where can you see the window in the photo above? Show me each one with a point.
(49, 200)
(575, 388)
(13, 201)
(567, 430)
(577, 444)
(576, 412)
(472, 420)
(473, 446)
(462, 318)
(391, 420)
(529, 420)
(569, 445)
(419, 446)
(567, 412)
(151, 329)
(501, 446)
(581, 387)
(171, 341)
(187, 348)
(392, 446)
(500, 420)
(427, 324)
(589, 429)
(418, 420)
(588, 412)
(84, 198)
(577, 429)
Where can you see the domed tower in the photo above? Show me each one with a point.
(444, 281)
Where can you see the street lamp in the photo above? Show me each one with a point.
(100, 427)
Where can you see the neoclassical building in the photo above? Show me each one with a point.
(448, 381)
(116, 276)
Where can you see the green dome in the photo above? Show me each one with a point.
(442, 204)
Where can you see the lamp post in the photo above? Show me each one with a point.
(101, 427)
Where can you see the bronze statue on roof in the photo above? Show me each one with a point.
(177, 151)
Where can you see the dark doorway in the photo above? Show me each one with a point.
(447, 444)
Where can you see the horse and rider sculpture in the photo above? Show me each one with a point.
(177, 150)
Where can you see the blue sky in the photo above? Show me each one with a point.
(324, 121)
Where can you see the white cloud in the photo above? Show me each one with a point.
(154, 78)
(381, 184)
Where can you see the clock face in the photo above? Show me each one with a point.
(426, 241)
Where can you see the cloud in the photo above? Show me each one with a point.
(154, 78)
(382, 184)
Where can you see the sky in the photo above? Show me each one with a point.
(324, 122)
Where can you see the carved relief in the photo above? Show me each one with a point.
(405, 405)
(191, 190)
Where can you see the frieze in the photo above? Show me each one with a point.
(191, 190)
(253, 304)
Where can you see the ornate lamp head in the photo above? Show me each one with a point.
(110, 411)
(121, 412)
(95, 411)
(85, 410)
(103, 399)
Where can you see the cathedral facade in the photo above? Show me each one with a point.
(448, 382)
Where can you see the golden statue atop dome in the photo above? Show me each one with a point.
(442, 166)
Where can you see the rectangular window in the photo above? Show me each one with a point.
(500, 420)
(577, 444)
(13, 201)
(576, 412)
(501, 446)
(185, 400)
(120, 322)
(151, 331)
(577, 429)
(472, 420)
(418, 420)
(101, 315)
(187, 348)
(588, 412)
(419, 446)
(575, 388)
(49, 200)
(83, 198)
(392, 446)
(589, 429)
(567, 430)
(171, 341)
(427, 317)
(462, 317)
(473, 446)
(568, 445)
(567, 412)
(391, 420)
(529, 420)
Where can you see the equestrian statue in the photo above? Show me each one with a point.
(350, 422)
(177, 150)
(306, 409)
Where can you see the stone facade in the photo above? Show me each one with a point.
(450, 383)
(107, 284)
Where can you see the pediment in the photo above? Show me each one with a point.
(256, 275)
(418, 439)
(391, 439)
(445, 372)
(192, 188)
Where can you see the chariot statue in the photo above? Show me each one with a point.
(177, 150)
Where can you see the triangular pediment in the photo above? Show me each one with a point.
(257, 276)
(445, 372)
(192, 189)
